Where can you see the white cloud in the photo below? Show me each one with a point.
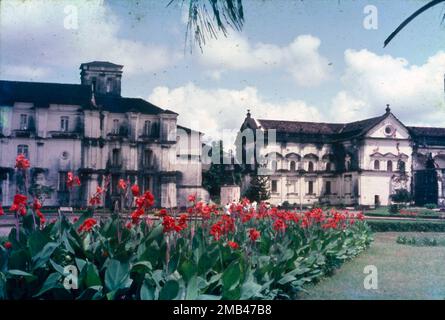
(212, 111)
(33, 31)
(370, 81)
(346, 108)
(301, 58)
(23, 71)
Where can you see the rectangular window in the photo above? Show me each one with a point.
(23, 149)
(116, 157)
(114, 184)
(23, 122)
(154, 132)
(348, 185)
(310, 187)
(115, 126)
(147, 158)
(147, 184)
(377, 200)
(62, 181)
(274, 186)
(64, 124)
(109, 85)
(328, 187)
(147, 128)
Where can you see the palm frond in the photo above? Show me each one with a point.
(410, 18)
(208, 18)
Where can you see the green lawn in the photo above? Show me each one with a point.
(404, 272)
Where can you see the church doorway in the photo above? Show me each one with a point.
(376, 200)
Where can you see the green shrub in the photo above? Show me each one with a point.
(420, 241)
(431, 206)
(401, 196)
(286, 205)
(394, 208)
(406, 226)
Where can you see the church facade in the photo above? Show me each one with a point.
(94, 132)
(358, 163)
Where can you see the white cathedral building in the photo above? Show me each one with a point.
(357, 163)
(91, 130)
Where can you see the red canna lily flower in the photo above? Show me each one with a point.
(183, 221)
(128, 225)
(163, 212)
(20, 199)
(21, 162)
(72, 180)
(135, 190)
(205, 211)
(122, 184)
(169, 224)
(233, 245)
(36, 204)
(145, 201)
(2, 212)
(279, 225)
(7, 245)
(19, 204)
(191, 198)
(136, 214)
(254, 234)
(216, 231)
(87, 225)
(41, 216)
(96, 199)
(246, 217)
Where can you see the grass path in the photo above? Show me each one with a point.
(404, 272)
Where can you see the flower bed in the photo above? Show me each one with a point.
(262, 254)
(246, 252)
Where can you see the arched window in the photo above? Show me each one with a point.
(376, 165)
(328, 167)
(389, 166)
(292, 166)
(310, 166)
(273, 165)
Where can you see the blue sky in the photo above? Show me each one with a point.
(296, 60)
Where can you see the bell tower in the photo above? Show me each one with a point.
(104, 77)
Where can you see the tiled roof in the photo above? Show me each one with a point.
(427, 131)
(300, 127)
(43, 94)
(339, 130)
(118, 104)
(361, 126)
